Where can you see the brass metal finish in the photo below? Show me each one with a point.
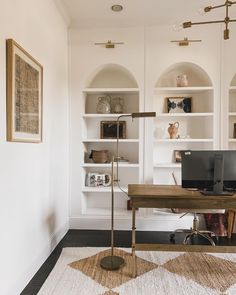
(115, 262)
(185, 41)
(226, 20)
(109, 44)
(112, 262)
(174, 196)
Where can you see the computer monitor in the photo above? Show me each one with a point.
(213, 172)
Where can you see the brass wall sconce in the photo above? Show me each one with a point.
(109, 44)
(226, 20)
(185, 41)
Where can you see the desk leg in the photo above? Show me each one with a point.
(133, 243)
(231, 220)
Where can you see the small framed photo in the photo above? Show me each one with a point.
(234, 135)
(24, 95)
(179, 104)
(177, 156)
(108, 129)
(94, 179)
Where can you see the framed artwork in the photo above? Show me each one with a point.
(94, 179)
(108, 129)
(234, 135)
(177, 156)
(178, 104)
(24, 95)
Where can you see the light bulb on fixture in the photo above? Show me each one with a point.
(177, 27)
(226, 21)
(204, 9)
(117, 7)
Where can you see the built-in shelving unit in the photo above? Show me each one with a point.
(116, 82)
(231, 140)
(196, 128)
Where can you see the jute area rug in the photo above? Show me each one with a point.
(77, 272)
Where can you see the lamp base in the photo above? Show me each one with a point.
(112, 262)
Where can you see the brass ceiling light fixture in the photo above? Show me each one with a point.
(226, 20)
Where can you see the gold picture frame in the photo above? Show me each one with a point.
(108, 129)
(24, 95)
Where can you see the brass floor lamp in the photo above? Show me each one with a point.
(113, 262)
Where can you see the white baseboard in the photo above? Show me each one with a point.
(159, 223)
(37, 263)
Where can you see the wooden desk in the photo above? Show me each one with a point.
(169, 196)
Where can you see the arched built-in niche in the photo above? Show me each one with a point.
(112, 76)
(197, 77)
(232, 114)
(196, 126)
(117, 84)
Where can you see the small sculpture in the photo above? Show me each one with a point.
(104, 105)
(182, 80)
(173, 130)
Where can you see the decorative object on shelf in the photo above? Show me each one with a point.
(227, 4)
(108, 129)
(99, 156)
(234, 135)
(184, 42)
(24, 95)
(177, 155)
(160, 132)
(109, 44)
(117, 105)
(182, 80)
(104, 105)
(113, 262)
(173, 130)
(179, 104)
(94, 179)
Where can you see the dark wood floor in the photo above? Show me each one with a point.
(93, 238)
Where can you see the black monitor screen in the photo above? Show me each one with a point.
(198, 169)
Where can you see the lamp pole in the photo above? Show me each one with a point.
(113, 262)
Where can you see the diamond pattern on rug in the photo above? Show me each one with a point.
(162, 282)
(207, 270)
(91, 267)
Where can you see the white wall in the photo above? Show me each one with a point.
(34, 177)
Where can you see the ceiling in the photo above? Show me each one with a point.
(97, 13)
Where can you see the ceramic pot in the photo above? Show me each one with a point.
(104, 105)
(173, 130)
(99, 156)
(182, 80)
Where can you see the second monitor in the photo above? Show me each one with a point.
(213, 172)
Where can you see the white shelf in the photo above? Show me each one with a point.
(106, 212)
(184, 140)
(168, 165)
(232, 139)
(101, 189)
(103, 115)
(184, 115)
(232, 88)
(110, 90)
(121, 165)
(110, 140)
(194, 89)
(232, 114)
